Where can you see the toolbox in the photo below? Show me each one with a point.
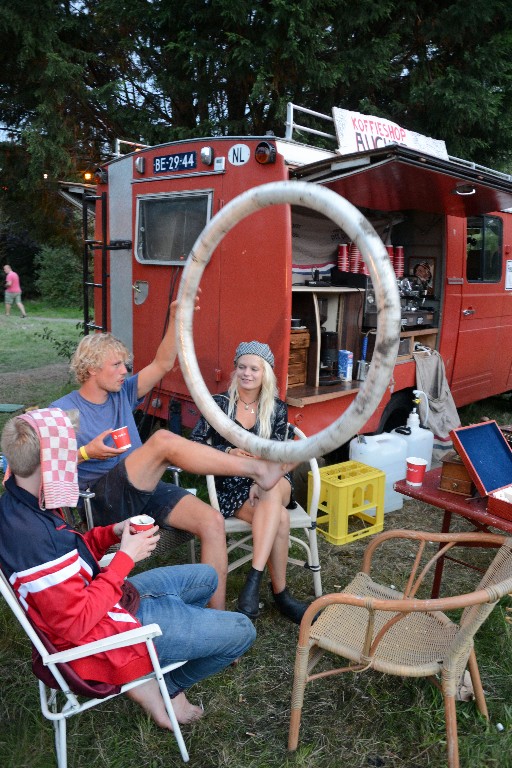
(488, 459)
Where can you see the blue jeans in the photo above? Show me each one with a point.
(175, 598)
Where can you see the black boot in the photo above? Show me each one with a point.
(289, 606)
(249, 597)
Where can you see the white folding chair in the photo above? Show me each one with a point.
(58, 705)
(299, 518)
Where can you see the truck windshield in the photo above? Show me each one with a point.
(168, 225)
(484, 249)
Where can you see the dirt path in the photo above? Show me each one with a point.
(16, 383)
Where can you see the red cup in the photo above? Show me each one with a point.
(415, 470)
(343, 262)
(121, 438)
(141, 523)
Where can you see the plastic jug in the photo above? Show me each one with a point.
(386, 452)
(420, 440)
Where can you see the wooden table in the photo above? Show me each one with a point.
(472, 509)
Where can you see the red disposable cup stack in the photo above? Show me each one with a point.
(399, 261)
(343, 262)
(354, 255)
(391, 253)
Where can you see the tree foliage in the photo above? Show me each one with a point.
(76, 74)
(59, 276)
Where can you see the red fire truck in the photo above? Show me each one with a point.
(289, 277)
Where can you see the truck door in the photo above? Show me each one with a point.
(480, 368)
(169, 216)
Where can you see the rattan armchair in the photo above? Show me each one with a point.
(378, 627)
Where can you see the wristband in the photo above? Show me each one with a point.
(228, 449)
(83, 453)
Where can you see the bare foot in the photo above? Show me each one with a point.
(148, 696)
(184, 710)
(268, 473)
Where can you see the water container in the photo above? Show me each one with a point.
(388, 453)
(420, 440)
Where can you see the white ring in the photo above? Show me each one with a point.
(360, 231)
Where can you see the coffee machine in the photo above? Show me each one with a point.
(414, 313)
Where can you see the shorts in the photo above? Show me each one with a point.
(117, 499)
(12, 298)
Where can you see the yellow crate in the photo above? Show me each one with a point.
(351, 501)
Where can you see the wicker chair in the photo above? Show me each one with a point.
(376, 627)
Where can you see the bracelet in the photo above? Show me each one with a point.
(229, 449)
(83, 453)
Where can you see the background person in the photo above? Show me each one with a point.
(128, 482)
(54, 571)
(12, 293)
(252, 402)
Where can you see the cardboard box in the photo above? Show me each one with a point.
(488, 459)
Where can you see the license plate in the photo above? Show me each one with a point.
(180, 161)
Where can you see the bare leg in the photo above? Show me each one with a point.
(21, 308)
(270, 527)
(270, 522)
(7, 309)
(148, 696)
(146, 465)
(192, 514)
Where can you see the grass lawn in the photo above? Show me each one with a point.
(360, 721)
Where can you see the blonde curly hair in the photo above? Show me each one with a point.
(92, 352)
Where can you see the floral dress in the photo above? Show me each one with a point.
(233, 492)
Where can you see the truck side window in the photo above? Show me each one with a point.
(484, 249)
(168, 225)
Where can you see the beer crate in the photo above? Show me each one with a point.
(351, 503)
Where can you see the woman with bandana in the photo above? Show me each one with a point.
(251, 401)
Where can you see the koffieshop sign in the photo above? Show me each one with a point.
(357, 133)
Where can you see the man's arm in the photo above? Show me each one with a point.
(164, 359)
(165, 356)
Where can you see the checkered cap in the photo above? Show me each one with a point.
(59, 481)
(255, 348)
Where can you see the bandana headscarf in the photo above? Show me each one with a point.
(255, 348)
(59, 479)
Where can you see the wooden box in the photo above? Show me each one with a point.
(298, 360)
(488, 459)
(455, 478)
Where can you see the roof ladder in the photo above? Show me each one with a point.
(91, 245)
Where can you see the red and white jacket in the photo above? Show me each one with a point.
(55, 573)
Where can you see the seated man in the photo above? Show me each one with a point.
(55, 573)
(128, 482)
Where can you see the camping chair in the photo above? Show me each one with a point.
(376, 627)
(169, 537)
(299, 518)
(60, 686)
